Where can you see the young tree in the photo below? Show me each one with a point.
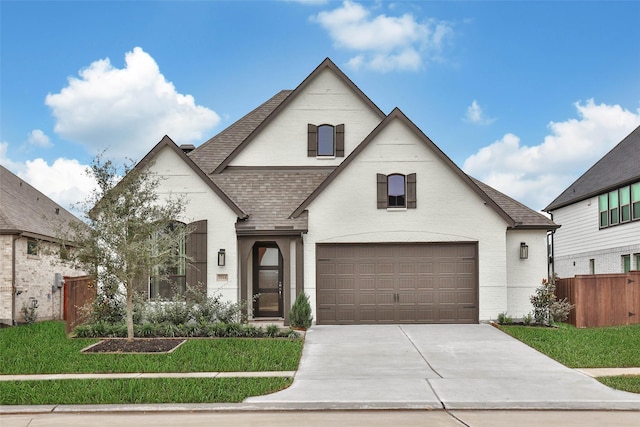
(131, 230)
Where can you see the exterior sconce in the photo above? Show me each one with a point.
(221, 257)
(524, 250)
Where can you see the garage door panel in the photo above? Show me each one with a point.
(397, 283)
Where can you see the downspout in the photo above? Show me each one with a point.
(13, 279)
(550, 253)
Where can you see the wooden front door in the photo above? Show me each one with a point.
(267, 280)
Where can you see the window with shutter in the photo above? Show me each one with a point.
(396, 191)
(325, 140)
(196, 249)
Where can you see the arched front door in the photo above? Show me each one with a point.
(267, 280)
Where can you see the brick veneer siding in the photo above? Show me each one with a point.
(34, 278)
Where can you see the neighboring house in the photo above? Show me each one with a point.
(30, 275)
(600, 215)
(318, 190)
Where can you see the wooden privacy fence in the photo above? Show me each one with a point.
(602, 299)
(78, 293)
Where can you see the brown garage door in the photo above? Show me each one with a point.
(396, 283)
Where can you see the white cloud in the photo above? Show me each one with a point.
(65, 181)
(384, 43)
(127, 110)
(475, 114)
(537, 174)
(39, 139)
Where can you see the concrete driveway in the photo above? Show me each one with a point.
(435, 367)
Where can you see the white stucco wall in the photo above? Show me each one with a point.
(326, 100)
(178, 179)
(447, 210)
(524, 275)
(579, 240)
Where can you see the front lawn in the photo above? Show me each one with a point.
(44, 348)
(611, 347)
(134, 391)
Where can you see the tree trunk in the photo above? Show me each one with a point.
(129, 315)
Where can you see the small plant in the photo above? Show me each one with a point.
(504, 319)
(300, 314)
(547, 309)
(273, 331)
(29, 312)
(527, 319)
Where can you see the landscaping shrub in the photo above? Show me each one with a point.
(547, 309)
(300, 314)
(505, 319)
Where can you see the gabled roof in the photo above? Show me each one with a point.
(515, 214)
(168, 142)
(619, 167)
(396, 114)
(25, 210)
(209, 155)
(326, 64)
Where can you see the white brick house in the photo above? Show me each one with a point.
(318, 190)
(29, 221)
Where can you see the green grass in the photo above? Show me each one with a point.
(43, 348)
(612, 347)
(629, 383)
(135, 391)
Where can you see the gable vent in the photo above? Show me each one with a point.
(187, 148)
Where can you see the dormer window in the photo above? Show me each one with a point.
(325, 141)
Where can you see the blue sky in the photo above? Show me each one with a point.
(525, 96)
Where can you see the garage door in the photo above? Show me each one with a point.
(396, 283)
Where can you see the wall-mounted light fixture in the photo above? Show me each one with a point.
(221, 257)
(524, 250)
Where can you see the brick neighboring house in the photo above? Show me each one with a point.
(29, 224)
(600, 215)
(318, 190)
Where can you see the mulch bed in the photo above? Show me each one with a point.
(137, 345)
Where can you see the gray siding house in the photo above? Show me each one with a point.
(599, 215)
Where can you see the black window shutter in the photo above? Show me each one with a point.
(411, 191)
(312, 140)
(382, 191)
(340, 141)
(196, 251)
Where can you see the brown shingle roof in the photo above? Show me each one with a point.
(209, 155)
(23, 209)
(269, 196)
(523, 216)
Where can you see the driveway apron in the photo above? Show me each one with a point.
(435, 367)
